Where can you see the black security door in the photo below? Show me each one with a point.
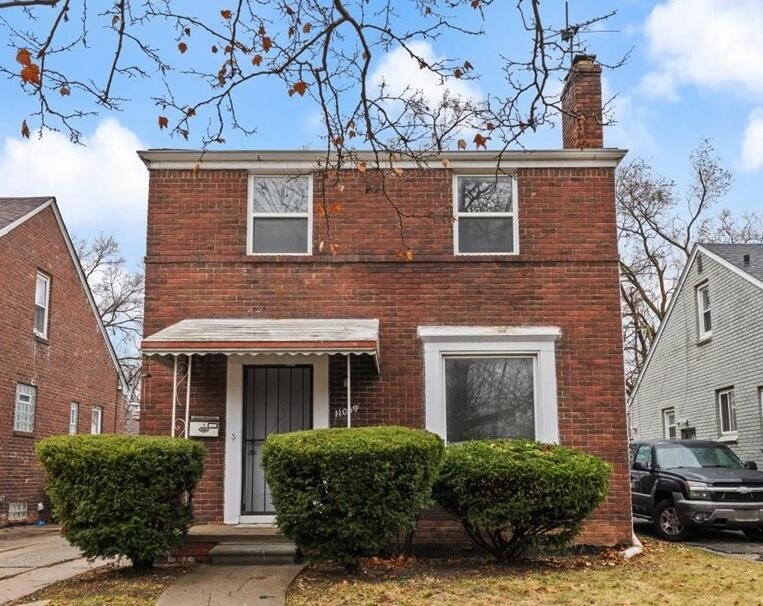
(277, 399)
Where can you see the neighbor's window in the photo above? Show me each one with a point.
(703, 311)
(23, 416)
(727, 413)
(73, 417)
(669, 424)
(281, 215)
(485, 215)
(96, 420)
(41, 305)
(489, 397)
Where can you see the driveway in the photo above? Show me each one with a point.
(32, 557)
(726, 542)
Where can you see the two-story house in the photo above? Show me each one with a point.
(703, 377)
(280, 297)
(58, 371)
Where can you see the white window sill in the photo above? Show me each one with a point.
(728, 437)
(705, 338)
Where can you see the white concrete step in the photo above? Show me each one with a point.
(254, 552)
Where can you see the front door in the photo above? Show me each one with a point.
(277, 399)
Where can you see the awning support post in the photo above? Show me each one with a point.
(174, 394)
(187, 397)
(349, 393)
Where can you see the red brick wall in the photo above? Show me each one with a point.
(566, 276)
(582, 125)
(73, 365)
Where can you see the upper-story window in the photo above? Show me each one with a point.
(280, 218)
(41, 305)
(703, 311)
(485, 213)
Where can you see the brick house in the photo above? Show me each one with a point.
(58, 371)
(505, 322)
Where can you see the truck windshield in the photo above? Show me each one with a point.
(673, 456)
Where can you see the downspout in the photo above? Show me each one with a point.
(636, 549)
(349, 392)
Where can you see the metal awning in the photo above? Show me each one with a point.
(248, 336)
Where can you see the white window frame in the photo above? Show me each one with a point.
(45, 278)
(666, 412)
(726, 434)
(73, 418)
(31, 392)
(514, 214)
(250, 214)
(703, 334)
(441, 342)
(96, 427)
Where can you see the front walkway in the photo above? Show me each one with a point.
(209, 585)
(32, 558)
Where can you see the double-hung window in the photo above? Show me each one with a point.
(669, 429)
(727, 414)
(280, 220)
(703, 312)
(96, 420)
(26, 400)
(41, 305)
(485, 215)
(73, 417)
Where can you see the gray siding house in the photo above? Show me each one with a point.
(703, 377)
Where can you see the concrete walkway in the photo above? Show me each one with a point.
(208, 585)
(33, 557)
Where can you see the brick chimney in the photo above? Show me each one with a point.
(581, 101)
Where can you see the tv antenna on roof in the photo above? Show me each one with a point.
(570, 31)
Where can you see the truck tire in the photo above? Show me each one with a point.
(667, 525)
(754, 534)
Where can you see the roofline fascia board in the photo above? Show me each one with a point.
(89, 295)
(24, 218)
(728, 264)
(310, 160)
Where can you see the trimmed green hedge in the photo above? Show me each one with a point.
(122, 495)
(344, 493)
(515, 494)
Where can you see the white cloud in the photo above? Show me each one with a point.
(100, 186)
(752, 142)
(708, 43)
(399, 71)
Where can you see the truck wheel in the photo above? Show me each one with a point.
(667, 524)
(754, 534)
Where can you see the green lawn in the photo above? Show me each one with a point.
(665, 575)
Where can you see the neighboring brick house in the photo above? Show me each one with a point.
(58, 371)
(703, 377)
(505, 321)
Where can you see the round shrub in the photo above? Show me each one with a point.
(122, 495)
(511, 495)
(343, 493)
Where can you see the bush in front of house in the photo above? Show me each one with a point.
(512, 495)
(344, 493)
(120, 495)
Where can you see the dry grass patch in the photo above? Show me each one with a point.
(664, 574)
(108, 585)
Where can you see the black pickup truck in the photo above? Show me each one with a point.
(683, 485)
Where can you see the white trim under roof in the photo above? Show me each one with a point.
(283, 161)
(25, 217)
(251, 336)
(711, 255)
(83, 280)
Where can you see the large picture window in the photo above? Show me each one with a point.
(489, 397)
(485, 215)
(280, 215)
(490, 382)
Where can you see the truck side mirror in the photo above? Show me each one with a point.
(752, 465)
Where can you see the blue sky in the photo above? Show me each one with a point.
(696, 72)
